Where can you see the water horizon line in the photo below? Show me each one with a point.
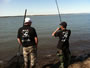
(40, 15)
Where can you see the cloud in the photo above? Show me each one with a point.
(5, 1)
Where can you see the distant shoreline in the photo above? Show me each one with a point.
(43, 15)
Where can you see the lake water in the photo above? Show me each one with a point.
(45, 25)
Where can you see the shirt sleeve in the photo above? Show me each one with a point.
(18, 35)
(35, 34)
(69, 32)
(58, 33)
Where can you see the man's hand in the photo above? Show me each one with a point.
(19, 41)
(55, 31)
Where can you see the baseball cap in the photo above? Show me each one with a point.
(64, 24)
(27, 20)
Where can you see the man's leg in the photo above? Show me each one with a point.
(61, 57)
(67, 58)
(25, 54)
(33, 56)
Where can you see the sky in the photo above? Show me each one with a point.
(40, 7)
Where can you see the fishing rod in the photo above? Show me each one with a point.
(58, 10)
(24, 16)
(18, 53)
(23, 25)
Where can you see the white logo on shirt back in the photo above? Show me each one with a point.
(65, 35)
(25, 36)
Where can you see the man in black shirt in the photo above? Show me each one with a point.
(27, 37)
(63, 44)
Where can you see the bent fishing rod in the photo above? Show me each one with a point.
(58, 10)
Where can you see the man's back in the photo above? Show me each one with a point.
(27, 35)
(63, 38)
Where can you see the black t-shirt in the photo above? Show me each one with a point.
(63, 38)
(27, 35)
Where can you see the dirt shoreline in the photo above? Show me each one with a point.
(46, 53)
(51, 61)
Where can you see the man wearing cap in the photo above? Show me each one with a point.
(27, 37)
(63, 44)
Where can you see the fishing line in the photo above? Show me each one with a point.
(58, 10)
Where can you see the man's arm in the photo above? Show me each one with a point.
(18, 39)
(35, 37)
(36, 40)
(53, 34)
